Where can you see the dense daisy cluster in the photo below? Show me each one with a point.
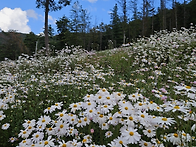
(149, 97)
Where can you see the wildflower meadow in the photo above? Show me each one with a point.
(139, 95)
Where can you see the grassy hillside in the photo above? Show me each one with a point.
(141, 95)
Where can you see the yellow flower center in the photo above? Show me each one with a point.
(43, 120)
(142, 115)
(99, 97)
(175, 135)
(110, 118)
(164, 119)
(46, 142)
(61, 115)
(149, 131)
(119, 94)
(74, 105)
(79, 121)
(90, 111)
(85, 119)
(131, 133)
(36, 136)
(184, 134)
(108, 97)
(126, 108)
(121, 142)
(151, 102)
(145, 144)
(101, 115)
(63, 145)
(105, 106)
(130, 118)
(140, 104)
(61, 126)
(188, 87)
(24, 132)
(158, 142)
(176, 107)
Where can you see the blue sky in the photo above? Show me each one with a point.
(23, 16)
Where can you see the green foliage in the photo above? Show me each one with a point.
(13, 46)
(30, 42)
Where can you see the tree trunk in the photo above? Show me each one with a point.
(184, 13)
(176, 18)
(46, 27)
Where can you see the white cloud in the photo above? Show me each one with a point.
(14, 19)
(31, 13)
(92, 1)
(51, 19)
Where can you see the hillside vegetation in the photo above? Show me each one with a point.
(141, 95)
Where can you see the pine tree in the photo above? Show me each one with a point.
(50, 5)
(123, 5)
(116, 27)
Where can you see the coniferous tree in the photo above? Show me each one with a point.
(75, 21)
(63, 30)
(84, 25)
(116, 27)
(50, 5)
(163, 13)
(123, 5)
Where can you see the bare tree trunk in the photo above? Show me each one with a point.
(46, 27)
(143, 19)
(176, 16)
(184, 14)
(100, 41)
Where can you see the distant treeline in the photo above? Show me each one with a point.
(77, 29)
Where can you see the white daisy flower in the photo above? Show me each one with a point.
(2, 116)
(149, 132)
(145, 144)
(174, 138)
(43, 120)
(108, 134)
(38, 136)
(131, 135)
(5, 126)
(29, 123)
(49, 142)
